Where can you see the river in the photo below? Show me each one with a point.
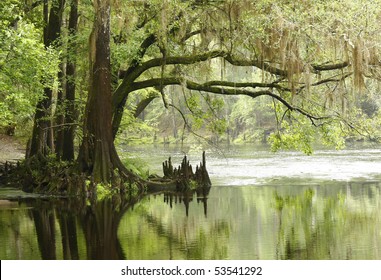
(262, 205)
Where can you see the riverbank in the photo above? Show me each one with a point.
(10, 149)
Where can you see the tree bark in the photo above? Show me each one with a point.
(68, 136)
(98, 156)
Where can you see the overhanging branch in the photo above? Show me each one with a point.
(246, 85)
(329, 67)
(218, 87)
(328, 80)
(265, 66)
(207, 87)
(137, 70)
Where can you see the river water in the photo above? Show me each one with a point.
(262, 205)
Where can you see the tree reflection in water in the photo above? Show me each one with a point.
(98, 222)
(171, 198)
(333, 221)
(44, 221)
(310, 228)
(178, 230)
(93, 225)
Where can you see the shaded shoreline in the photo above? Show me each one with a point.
(11, 149)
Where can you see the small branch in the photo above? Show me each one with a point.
(190, 35)
(328, 80)
(60, 125)
(188, 125)
(332, 79)
(143, 104)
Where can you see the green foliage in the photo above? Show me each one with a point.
(26, 66)
(332, 135)
(288, 35)
(136, 165)
(297, 136)
(104, 191)
(300, 134)
(133, 189)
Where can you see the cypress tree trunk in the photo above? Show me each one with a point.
(97, 154)
(68, 135)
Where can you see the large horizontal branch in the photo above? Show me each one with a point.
(223, 91)
(265, 66)
(246, 84)
(122, 89)
(225, 85)
(128, 84)
(329, 67)
(133, 73)
(187, 60)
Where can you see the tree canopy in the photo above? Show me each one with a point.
(317, 59)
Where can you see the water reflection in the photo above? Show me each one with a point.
(97, 222)
(330, 220)
(335, 220)
(333, 228)
(186, 199)
(73, 229)
(172, 231)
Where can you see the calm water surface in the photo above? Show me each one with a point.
(261, 206)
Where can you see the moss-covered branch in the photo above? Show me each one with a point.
(220, 88)
(329, 67)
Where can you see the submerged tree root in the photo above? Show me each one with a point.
(184, 177)
(45, 175)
